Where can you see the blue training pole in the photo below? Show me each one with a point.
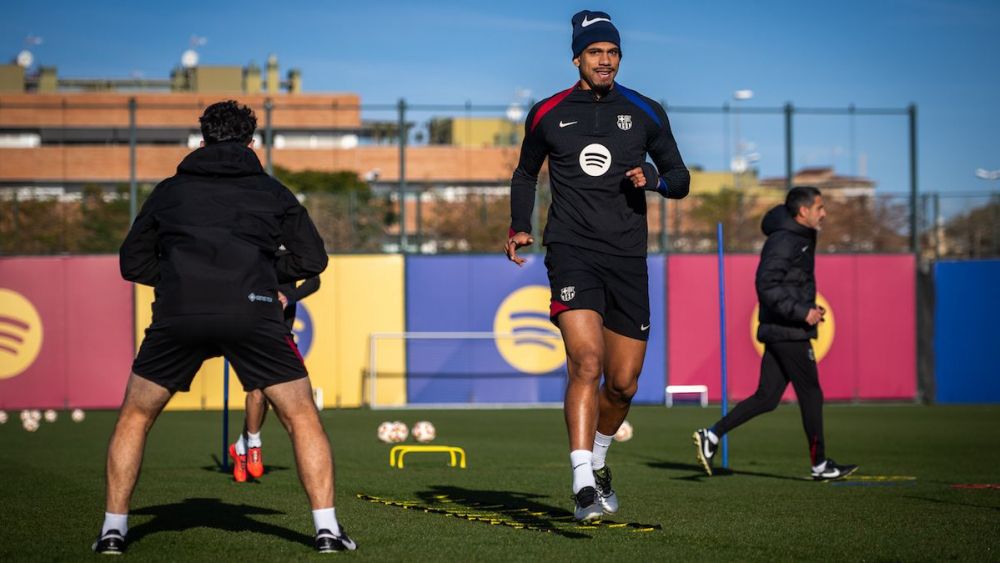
(722, 334)
(225, 414)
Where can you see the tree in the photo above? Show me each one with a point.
(348, 216)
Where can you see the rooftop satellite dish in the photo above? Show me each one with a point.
(25, 59)
(189, 59)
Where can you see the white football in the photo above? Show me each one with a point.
(424, 431)
(399, 432)
(384, 431)
(624, 433)
(3, 417)
(25, 415)
(51, 415)
(36, 415)
(30, 425)
(77, 415)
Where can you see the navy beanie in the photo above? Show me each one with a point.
(593, 27)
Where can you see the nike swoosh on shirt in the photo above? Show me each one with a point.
(587, 22)
(805, 248)
(561, 124)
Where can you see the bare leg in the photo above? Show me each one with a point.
(622, 364)
(581, 331)
(256, 412)
(294, 406)
(142, 404)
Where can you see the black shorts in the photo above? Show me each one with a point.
(260, 349)
(617, 287)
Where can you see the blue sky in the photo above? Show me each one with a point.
(887, 53)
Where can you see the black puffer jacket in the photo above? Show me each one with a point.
(786, 280)
(207, 238)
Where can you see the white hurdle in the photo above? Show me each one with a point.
(672, 390)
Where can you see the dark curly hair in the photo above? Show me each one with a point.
(228, 121)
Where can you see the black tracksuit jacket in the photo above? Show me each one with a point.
(786, 279)
(591, 142)
(207, 238)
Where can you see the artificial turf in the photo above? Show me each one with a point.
(513, 500)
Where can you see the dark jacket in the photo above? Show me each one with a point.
(786, 280)
(590, 144)
(207, 238)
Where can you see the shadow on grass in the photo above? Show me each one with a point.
(716, 472)
(509, 508)
(520, 508)
(210, 513)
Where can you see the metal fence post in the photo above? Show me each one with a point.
(268, 135)
(789, 110)
(914, 239)
(402, 176)
(133, 188)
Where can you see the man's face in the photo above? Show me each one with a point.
(598, 65)
(813, 215)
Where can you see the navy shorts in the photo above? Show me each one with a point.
(261, 350)
(617, 287)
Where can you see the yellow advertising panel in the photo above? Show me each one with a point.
(358, 295)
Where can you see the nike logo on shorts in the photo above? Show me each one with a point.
(567, 124)
(644, 328)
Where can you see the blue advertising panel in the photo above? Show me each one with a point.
(488, 294)
(966, 332)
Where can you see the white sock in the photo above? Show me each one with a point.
(115, 522)
(241, 446)
(326, 518)
(601, 444)
(253, 440)
(712, 437)
(583, 475)
(820, 468)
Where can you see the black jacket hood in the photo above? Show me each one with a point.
(779, 219)
(221, 159)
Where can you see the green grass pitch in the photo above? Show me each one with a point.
(513, 501)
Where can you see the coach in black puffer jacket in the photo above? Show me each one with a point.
(786, 281)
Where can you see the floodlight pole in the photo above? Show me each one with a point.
(402, 176)
(789, 112)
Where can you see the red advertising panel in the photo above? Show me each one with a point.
(866, 348)
(65, 332)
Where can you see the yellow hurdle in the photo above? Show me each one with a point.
(454, 451)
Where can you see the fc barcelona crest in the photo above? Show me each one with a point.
(624, 122)
(568, 293)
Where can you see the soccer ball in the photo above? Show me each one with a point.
(399, 432)
(624, 433)
(424, 431)
(3, 417)
(384, 430)
(25, 415)
(30, 424)
(51, 415)
(35, 414)
(77, 415)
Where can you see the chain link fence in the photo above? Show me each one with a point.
(435, 178)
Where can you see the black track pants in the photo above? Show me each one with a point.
(785, 362)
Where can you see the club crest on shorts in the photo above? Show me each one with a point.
(568, 293)
(624, 122)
